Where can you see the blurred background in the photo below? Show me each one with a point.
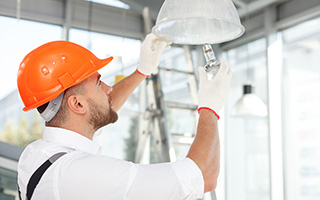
(269, 155)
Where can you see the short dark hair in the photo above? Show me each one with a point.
(63, 112)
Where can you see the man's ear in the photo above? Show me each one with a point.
(76, 104)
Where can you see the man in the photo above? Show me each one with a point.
(60, 79)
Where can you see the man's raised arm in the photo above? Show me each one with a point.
(150, 52)
(205, 150)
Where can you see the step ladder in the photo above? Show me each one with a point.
(154, 123)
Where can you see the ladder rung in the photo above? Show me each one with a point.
(176, 70)
(184, 141)
(182, 138)
(181, 105)
(186, 135)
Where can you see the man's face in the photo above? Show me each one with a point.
(99, 101)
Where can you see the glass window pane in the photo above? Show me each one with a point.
(17, 38)
(119, 139)
(8, 184)
(176, 90)
(301, 80)
(246, 139)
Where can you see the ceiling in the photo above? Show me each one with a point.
(244, 6)
(259, 17)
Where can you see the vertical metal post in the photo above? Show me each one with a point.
(67, 19)
(147, 20)
(274, 55)
(18, 9)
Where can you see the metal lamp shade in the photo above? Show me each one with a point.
(198, 21)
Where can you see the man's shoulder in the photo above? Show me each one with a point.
(39, 151)
(34, 146)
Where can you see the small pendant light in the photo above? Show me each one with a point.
(249, 105)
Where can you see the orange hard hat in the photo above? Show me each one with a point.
(52, 68)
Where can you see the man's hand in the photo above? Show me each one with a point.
(213, 93)
(150, 52)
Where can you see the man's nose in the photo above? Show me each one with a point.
(108, 89)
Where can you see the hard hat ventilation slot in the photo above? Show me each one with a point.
(45, 71)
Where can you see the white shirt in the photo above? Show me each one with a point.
(84, 174)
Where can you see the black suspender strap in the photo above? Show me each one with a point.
(36, 176)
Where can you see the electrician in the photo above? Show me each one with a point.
(60, 79)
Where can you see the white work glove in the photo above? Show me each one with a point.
(213, 93)
(150, 51)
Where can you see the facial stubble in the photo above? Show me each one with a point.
(100, 116)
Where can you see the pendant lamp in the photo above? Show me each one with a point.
(249, 105)
(198, 22)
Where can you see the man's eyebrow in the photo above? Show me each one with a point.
(98, 79)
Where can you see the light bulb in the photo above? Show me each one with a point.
(212, 66)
